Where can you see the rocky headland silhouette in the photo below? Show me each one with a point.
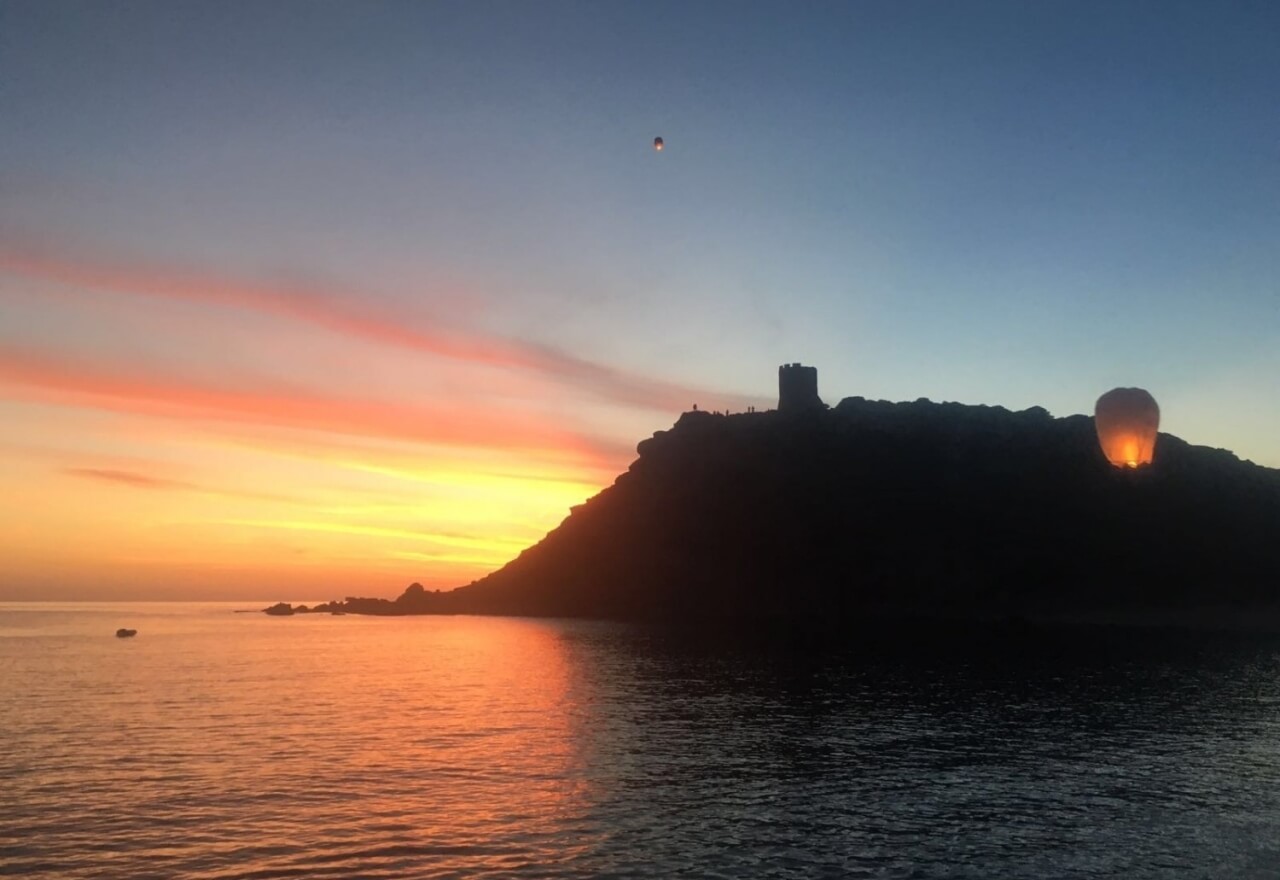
(872, 509)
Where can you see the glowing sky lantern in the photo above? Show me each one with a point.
(1127, 420)
(657, 144)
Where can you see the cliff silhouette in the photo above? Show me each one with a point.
(875, 509)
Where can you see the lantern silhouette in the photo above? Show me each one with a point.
(1127, 421)
(657, 144)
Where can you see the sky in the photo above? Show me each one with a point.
(309, 300)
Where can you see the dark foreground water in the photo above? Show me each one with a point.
(220, 745)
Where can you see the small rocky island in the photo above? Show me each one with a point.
(871, 509)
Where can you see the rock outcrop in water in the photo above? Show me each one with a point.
(874, 508)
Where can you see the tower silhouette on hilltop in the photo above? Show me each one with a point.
(797, 388)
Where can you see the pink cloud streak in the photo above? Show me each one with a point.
(341, 313)
(49, 380)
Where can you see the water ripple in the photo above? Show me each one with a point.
(214, 747)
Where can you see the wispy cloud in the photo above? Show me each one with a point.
(137, 480)
(345, 313)
(43, 378)
(129, 478)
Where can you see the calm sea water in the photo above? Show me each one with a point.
(216, 745)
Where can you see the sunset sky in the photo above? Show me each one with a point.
(307, 300)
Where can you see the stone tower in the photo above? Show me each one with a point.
(797, 388)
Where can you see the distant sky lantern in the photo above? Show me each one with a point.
(1127, 420)
(657, 144)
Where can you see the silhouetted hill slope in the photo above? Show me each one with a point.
(904, 508)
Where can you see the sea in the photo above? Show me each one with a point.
(223, 745)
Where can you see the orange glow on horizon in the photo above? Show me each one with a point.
(172, 489)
